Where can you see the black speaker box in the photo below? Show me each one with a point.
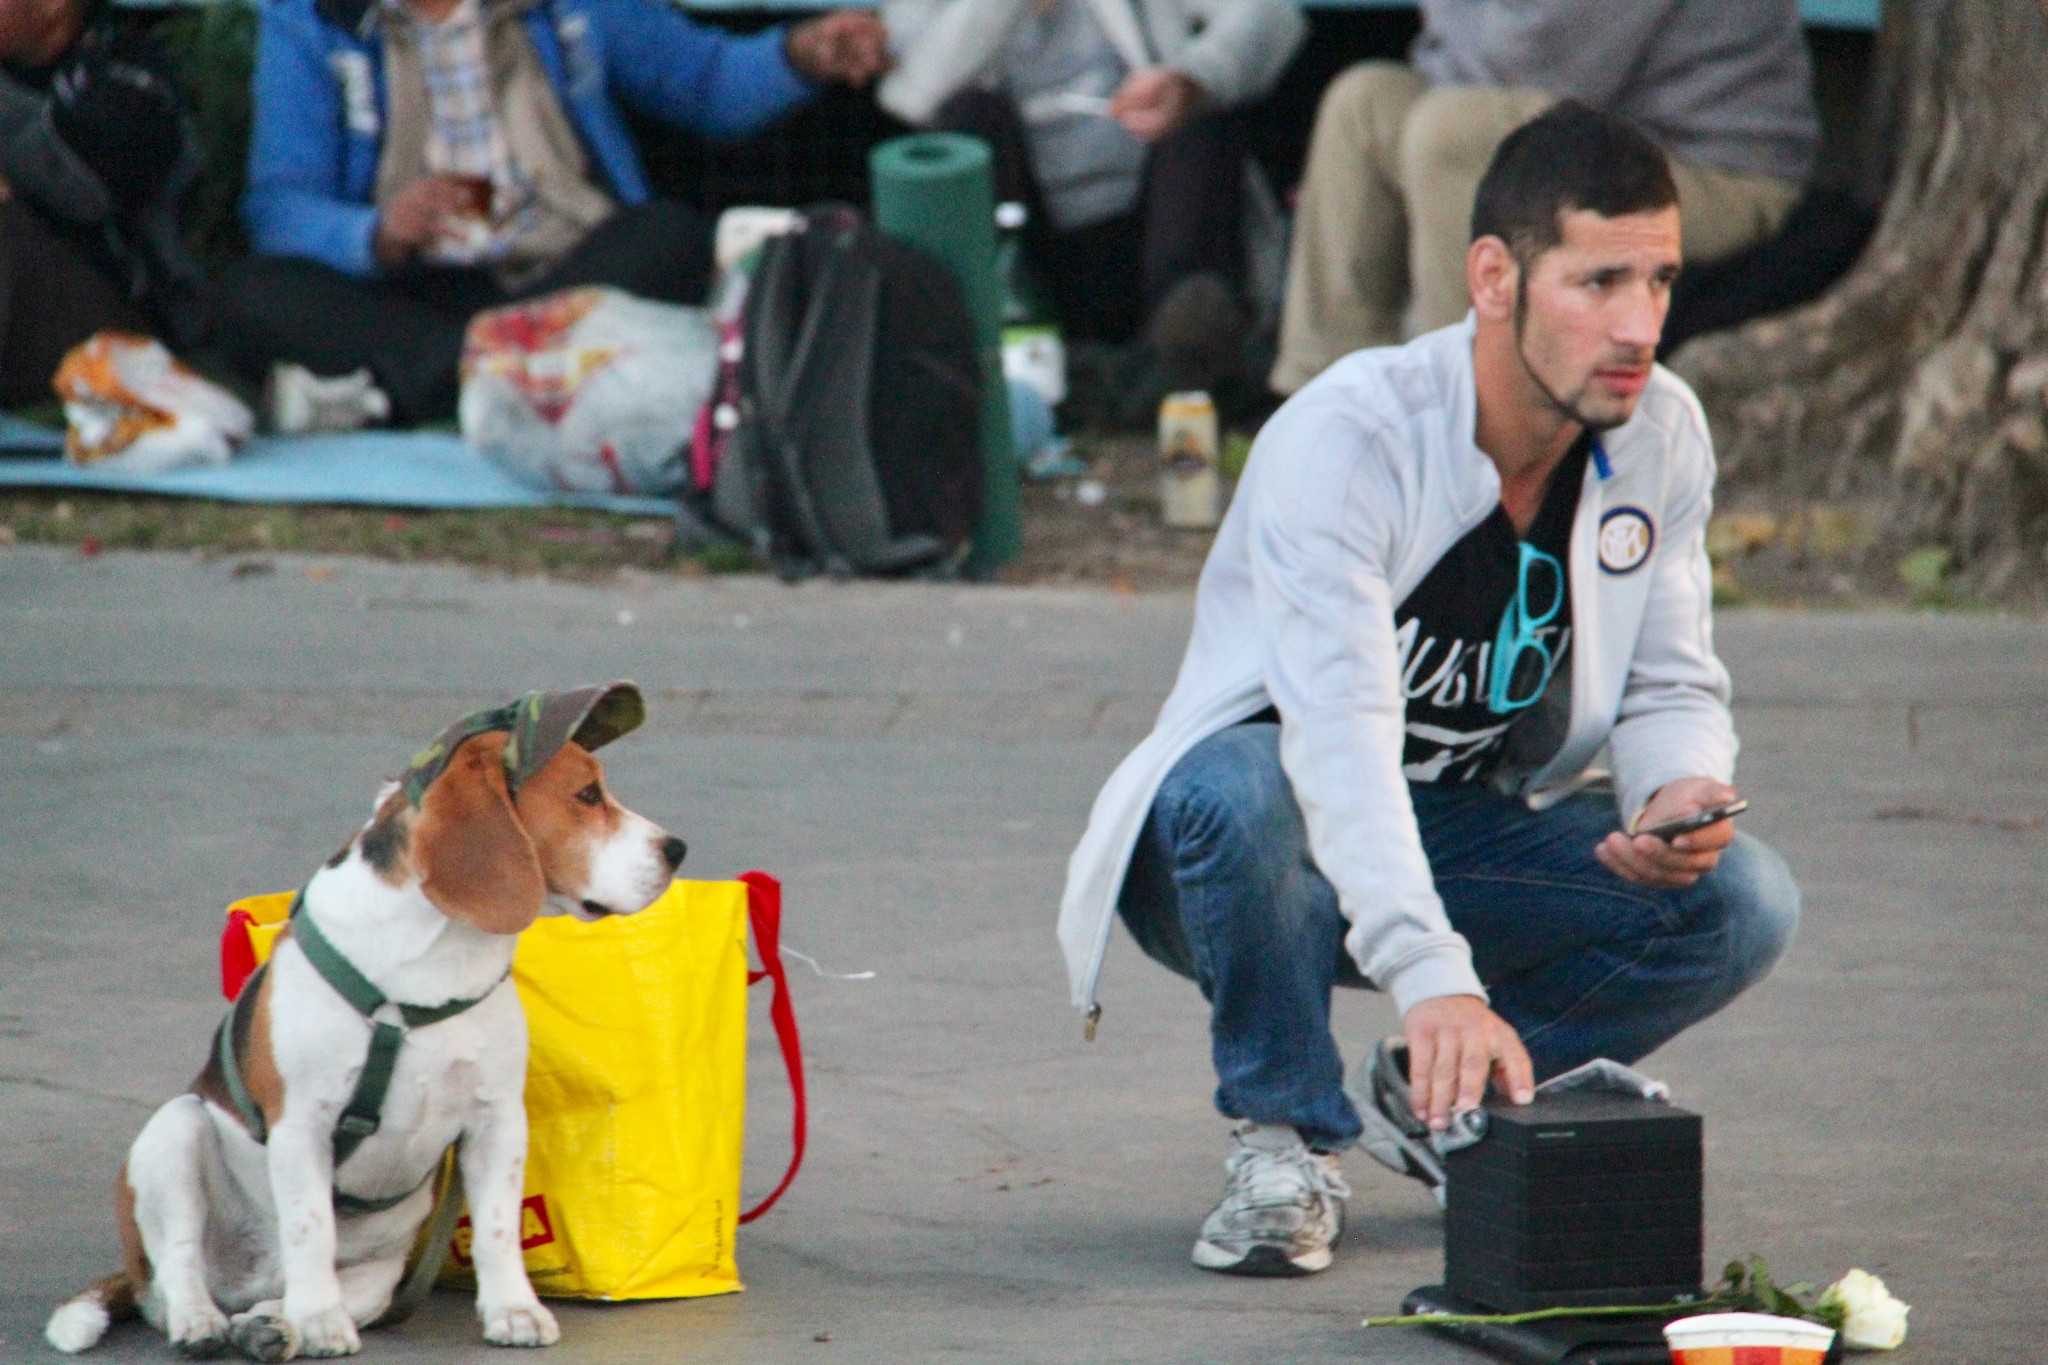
(1578, 1200)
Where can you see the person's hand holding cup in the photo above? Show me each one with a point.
(435, 211)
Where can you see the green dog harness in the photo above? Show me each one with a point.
(364, 1112)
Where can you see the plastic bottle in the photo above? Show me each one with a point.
(1018, 305)
(1033, 349)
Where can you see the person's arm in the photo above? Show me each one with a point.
(1321, 542)
(1241, 50)
(294, 204)
(1674, 722)
(710, 82)
(941, 47)
(1576, 49)
(38, 165)
(1321, 538)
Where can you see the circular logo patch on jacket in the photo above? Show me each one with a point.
(1626, 539)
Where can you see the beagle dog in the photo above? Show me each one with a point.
(247, 1218)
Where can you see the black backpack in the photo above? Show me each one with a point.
(851, 407)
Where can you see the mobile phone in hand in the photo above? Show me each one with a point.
(1686, 824)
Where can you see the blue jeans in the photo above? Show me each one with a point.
(1222, 889)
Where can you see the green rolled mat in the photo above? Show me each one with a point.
(937, 192)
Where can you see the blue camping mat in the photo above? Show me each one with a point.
(371, 468)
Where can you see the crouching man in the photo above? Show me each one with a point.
(1453, 572)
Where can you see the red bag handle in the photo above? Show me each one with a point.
(237, 954)
(764, 913)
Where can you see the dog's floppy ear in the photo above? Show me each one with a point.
(476, 863)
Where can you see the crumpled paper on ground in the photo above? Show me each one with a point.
(129, 404)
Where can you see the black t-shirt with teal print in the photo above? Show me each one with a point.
(1485, 631)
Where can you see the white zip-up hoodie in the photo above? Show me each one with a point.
(1355, 489)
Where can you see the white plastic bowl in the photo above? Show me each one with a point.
(1702, 1340)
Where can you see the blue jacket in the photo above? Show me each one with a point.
(319, 106)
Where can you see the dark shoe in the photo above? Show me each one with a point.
(1197, 334)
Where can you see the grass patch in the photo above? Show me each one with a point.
(559, 541)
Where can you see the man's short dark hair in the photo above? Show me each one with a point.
(1572, 156)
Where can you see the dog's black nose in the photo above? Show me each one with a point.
(674, 850)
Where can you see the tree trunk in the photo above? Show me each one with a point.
(1920, 382)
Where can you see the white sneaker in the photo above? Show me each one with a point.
(298, 402)
(1282, 1208)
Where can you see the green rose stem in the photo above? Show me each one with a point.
(1743, 1287)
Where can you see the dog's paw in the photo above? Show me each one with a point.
(198, 1332)
(527, 1324)
(263, 1333)
(329, 1332)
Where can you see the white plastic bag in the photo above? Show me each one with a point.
(588, 390)
(129, 405)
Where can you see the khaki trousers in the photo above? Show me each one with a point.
(1385, 217)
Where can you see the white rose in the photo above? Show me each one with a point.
(1872, 1319)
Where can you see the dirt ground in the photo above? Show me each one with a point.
(1070, 536)
(1105, 529)
(1102, 530)
(1819, 555)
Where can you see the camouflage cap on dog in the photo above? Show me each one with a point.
(538, 725)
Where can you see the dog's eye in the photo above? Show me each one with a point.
(592, 795)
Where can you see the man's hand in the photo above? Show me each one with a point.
(1455, 1045)
(849, 47)
(420, 215)
(1648, 861)
(1153, 103)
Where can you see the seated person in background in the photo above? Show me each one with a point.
(95, 154)
(1108, 121)
(1723, 86)
(414, 162)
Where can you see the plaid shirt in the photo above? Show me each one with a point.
(464, 136)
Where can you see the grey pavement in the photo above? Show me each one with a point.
(915, 762)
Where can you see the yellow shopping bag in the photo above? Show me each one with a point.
(635, 1085)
